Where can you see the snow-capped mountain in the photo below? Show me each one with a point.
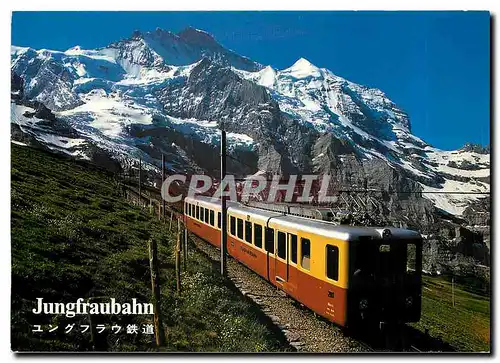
(376, 128)
(160, 92)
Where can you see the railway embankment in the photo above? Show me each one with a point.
(75, 236)
(304, 331)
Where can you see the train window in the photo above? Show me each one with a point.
(212, 222)
(305, 248)
(248, 231)
(218, 219)
(332, 262)
(269, 240)
(258, 235)
(202, 214)
(189, 210)
(281, 245)
(207, 216)
(197, 212)
(239, 230)
(293, 248)
(232, 225)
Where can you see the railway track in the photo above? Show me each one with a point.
(303, 330)
(308, 332)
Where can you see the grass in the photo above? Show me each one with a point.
(74, 236)
(466, 325)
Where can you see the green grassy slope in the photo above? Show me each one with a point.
(74, 236)
(465, 326)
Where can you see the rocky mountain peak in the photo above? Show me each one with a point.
(476, 148)
(302, 68)
(302, 62)
(159, 33)
(198, 37)
(187, 47)
(136, 34)
(76, 48)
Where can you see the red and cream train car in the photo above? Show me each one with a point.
(346, 274)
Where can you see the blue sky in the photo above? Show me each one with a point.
(435, 66)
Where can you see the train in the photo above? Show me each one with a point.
(350, 275)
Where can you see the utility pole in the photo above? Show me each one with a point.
(140, 175)
(178, 257)
(162, 180)
(155, 287)
(223, 224)
(185, 250)
(452, 291)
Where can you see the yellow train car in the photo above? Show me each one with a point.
(346, 274)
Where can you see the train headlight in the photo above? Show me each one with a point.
(386, 233)
(363, 304)
(409, 301)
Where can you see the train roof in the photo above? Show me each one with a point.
(323, 228)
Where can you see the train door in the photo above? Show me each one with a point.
(292, 263)
(269, 248)
(281, 259)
